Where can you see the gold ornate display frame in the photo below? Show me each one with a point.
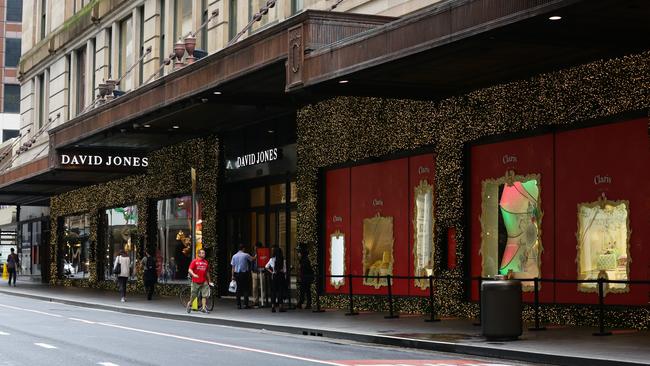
(601, 202)
(336, 234)
(510, 178)
(423, 188)
(378, 283)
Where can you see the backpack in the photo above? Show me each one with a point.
(151, 264)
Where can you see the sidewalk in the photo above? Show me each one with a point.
(557, 345)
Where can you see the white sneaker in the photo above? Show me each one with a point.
(123, 300)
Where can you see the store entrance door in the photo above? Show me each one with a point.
(265, 217)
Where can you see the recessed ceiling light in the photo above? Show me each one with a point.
(216, 93)
(555, 17)
(175, 126)
(270, 131)
(147, 125)
(343, 81)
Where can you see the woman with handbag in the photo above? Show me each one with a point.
(122, 269)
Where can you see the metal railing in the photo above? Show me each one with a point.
(433, 313)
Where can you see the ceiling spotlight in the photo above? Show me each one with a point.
(343, 81)
(175, 127)
(146, 125)
(271, 131)
(216, 93)
(554, 17)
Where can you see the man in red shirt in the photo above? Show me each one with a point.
(200, 272)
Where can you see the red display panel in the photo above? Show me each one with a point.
(421, 168)
(524, 156)
(610, 159)
(337, 218)
(381, 188)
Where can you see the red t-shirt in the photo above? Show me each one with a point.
(200, 267)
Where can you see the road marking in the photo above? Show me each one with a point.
(4, 333)
(417, 363)
(45, 345)
(82, 320)
(322, 362)
(31, 311)
(107, 364)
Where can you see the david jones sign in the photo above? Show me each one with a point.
(253, 159)
(104, 161)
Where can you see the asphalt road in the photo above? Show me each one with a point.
(34, 332)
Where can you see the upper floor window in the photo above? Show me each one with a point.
(12, 52)
(126, 59)
(11, 98)
(297, 5)
(42, 100)
(14, 10)
(43, 18)
(81, 79)
(183, 24)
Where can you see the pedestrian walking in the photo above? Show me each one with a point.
(278, 269)
(306, 277)
(13, 264)
(150, 274)
(241, 264)
(122, 269)
(199, 270)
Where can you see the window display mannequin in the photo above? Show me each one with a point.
(520, 213)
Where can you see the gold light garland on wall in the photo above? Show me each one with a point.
(350, 129)
(168, 174)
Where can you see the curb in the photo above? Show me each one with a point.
(481, 351)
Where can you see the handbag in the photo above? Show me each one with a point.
(233, 286)
(118, 268)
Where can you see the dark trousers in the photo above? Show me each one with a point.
(305, 291)
(12, 274)
(121, 283)
(149, 288)
(243, 284)
(278, 288)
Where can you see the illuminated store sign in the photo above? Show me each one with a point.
(102, 159)
(259, 157)
(110, 160)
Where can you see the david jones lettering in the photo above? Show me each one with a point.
(110, 160)
(257, 158)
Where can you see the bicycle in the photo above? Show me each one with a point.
(184, 295)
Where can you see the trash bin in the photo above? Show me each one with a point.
(501, 309)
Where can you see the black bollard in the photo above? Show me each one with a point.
(537, 327)
(391, 313)
(432, 303)
(351, 312)
(601, 309)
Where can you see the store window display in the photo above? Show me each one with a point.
(76, 246)
(121, 231)
(378, 243)
(510, 221)
(174, 250)
(423, 222)
(337, 259)
(603, 243)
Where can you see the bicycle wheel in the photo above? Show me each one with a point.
(184, 296)
(212, 297)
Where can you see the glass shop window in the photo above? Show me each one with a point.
(511, 220)
(604, 244)
(76, 246)
(121, 231)
(174, 250)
